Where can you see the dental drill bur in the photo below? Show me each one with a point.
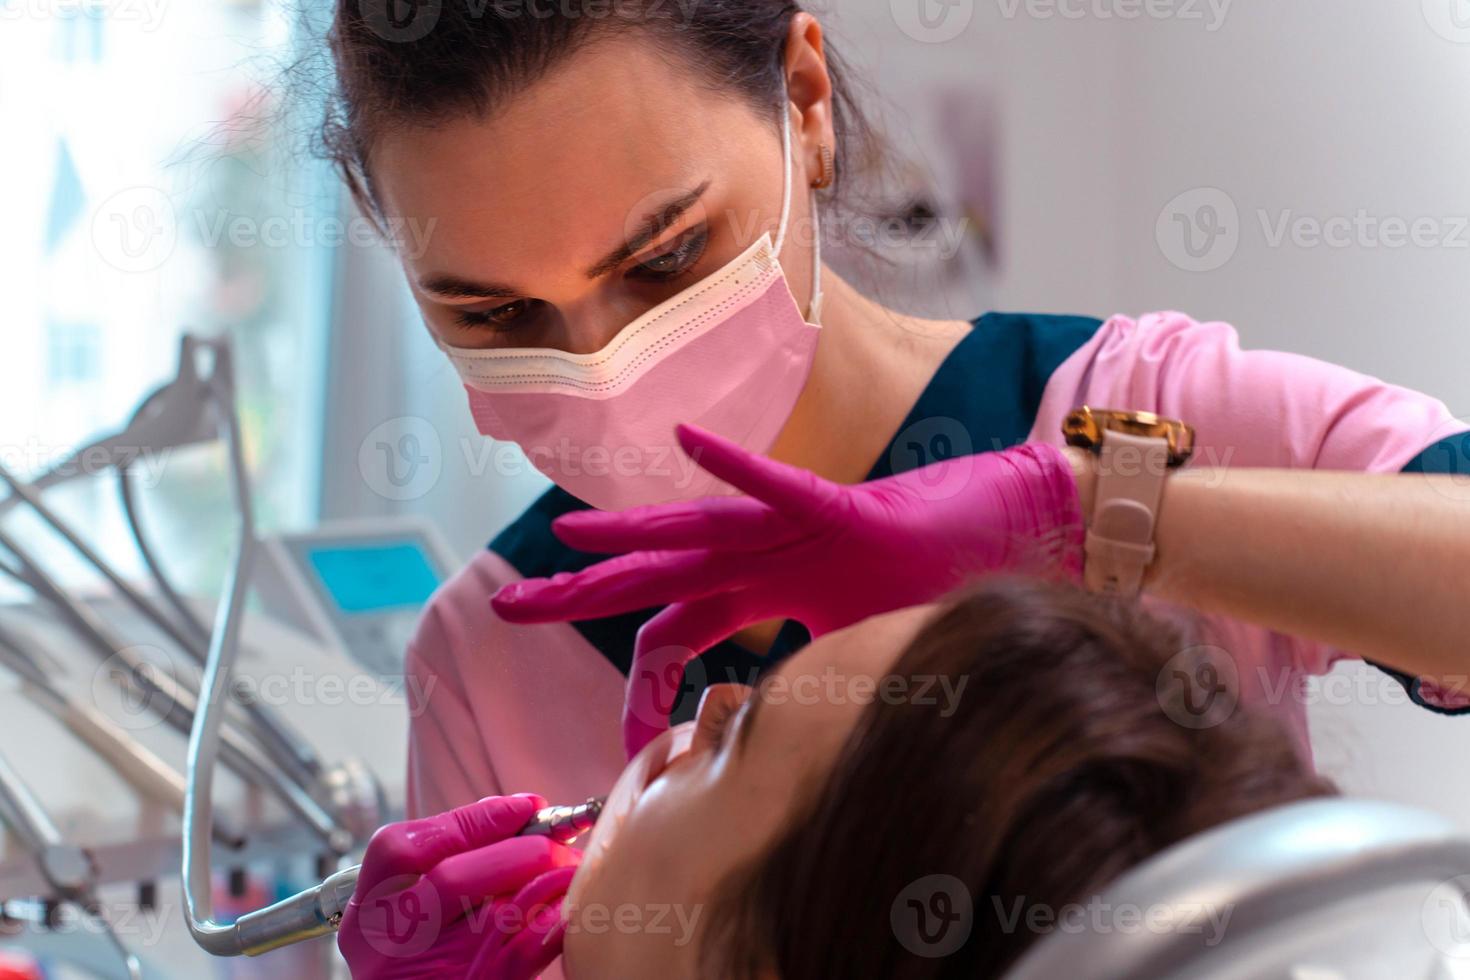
(318, 911)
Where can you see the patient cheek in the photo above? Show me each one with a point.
(623, 801)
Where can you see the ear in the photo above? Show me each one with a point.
(810, 88)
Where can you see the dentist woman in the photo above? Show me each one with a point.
(626, 202)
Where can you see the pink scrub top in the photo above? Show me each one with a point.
(507, 709)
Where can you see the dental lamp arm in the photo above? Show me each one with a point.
(205, 732)
(175, 703)
(68, 870)
(133, 761)
(190, 409)
(282, 748)
(165, 586)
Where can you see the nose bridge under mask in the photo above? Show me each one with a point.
(591, 323)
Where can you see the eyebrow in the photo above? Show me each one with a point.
(654, 224)
(752, 706)
(453, 287)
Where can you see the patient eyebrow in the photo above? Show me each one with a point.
(653, 225)
(752, 708)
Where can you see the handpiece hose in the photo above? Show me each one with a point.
(318, 911)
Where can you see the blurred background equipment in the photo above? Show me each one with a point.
(294, 802)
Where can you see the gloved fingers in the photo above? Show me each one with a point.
(459, 885)
(413, 847)
(795, 492)
(715, 523)
(506, 952)
(530, 952)
(665, 644)
(642, 580)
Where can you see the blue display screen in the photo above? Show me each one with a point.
(372, 578)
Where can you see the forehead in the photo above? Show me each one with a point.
(565, 166)
(819, 693)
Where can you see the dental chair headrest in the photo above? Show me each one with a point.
(1298, 891)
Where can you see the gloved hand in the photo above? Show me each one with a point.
(459, 895)
(800, 547)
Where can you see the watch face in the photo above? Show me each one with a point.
(1085, 429)
(1081, 429)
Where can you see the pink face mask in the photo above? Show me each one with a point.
(730, 354)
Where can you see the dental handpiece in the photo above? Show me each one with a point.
(318, 911)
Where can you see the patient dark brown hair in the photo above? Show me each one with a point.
(1060, 770)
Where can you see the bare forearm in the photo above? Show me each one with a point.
(1375, 564)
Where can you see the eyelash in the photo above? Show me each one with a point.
(717, 723)
(491, 318)
(685, 254)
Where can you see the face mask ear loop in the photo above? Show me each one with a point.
(814, 314)
(786, 191)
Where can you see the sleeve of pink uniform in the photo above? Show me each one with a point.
(447, 766)
(498, 708)
(1258, 408)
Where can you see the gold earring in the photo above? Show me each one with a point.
(829, 169)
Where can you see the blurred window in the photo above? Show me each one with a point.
(153, 181)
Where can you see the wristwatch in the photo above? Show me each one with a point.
(1136, 451)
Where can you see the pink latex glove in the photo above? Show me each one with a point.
(459, 895)
(803, 548)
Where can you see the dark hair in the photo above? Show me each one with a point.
(444, 59)
(1061, 769)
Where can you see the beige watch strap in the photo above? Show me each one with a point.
(1130, 486)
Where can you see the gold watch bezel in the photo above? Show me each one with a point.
(1084, 428)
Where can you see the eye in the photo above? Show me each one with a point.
(685, 254)
(502, 317)
(717, 713)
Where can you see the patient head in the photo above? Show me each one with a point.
(1013, 739)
